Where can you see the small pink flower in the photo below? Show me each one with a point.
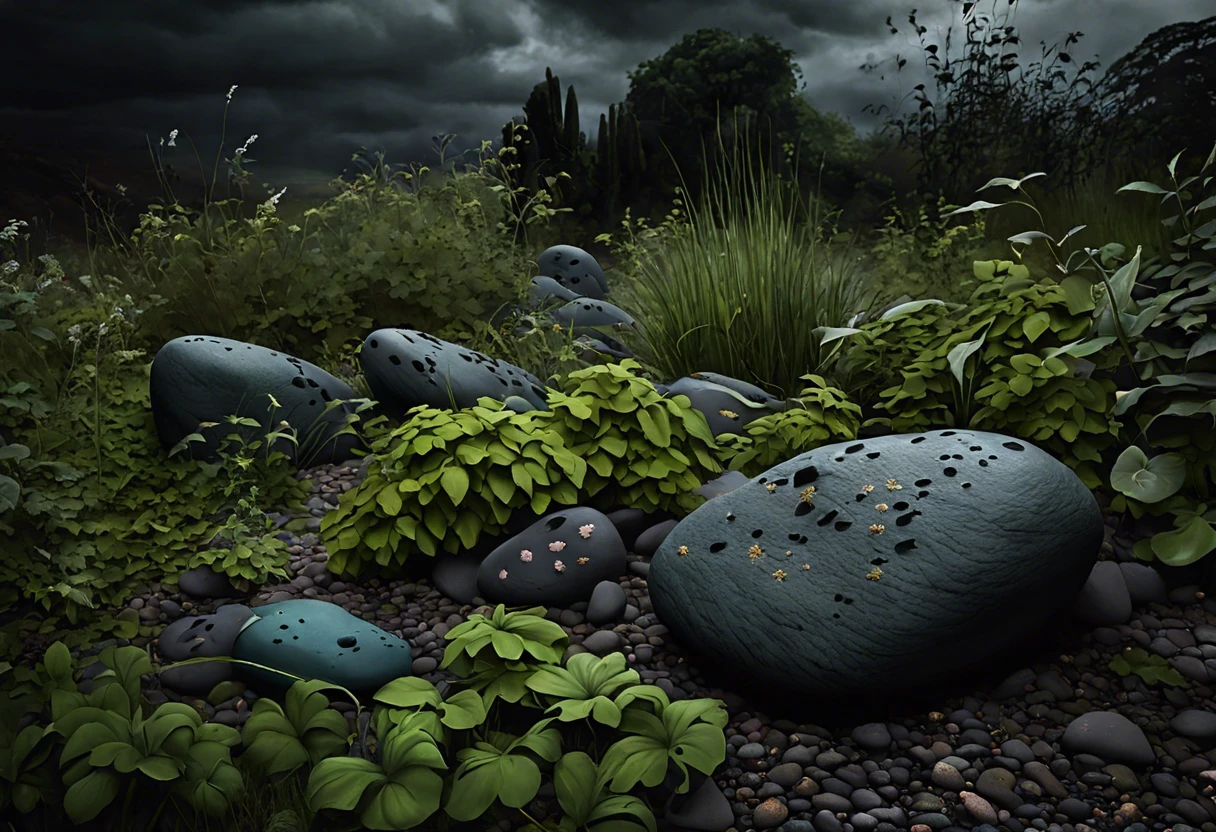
(559, 566)
(526, 556)
(586, 530)
(557, 545)
(502, 575)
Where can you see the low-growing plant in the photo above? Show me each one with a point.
(1149, 667)
(820, 415)
(446, 477)
(652, 451)
(503, 671)
(1035, 395)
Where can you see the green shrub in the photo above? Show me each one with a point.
(821, 415)
(916, 255)
(653, 451)
(444, 478)
(1026, 342)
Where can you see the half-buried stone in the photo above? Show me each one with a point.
(862, 569)
(558, 560)
(202, 378)
(406, 368)
(317, 639)
(726, 409)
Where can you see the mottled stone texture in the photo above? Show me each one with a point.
(984, 538)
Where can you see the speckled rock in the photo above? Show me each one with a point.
(575, 269)
(557, 560)
(405, 368)
(885, 564)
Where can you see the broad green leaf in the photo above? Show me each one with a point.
(339, 782)
(1184, 546)
(456, 483)
(1149, 481)
(87, 797)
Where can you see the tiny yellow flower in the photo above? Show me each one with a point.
(729, 414)
(779, 575)
(874, 574)
(807, 494)
(881, 506)
(771, 487)
(867, 488)
(892, 485)
(557, 327)
(682, 551)
(877, 529)
(754, 552)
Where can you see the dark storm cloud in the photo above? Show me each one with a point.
(319, 79)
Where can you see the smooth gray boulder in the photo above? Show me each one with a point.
(202, 378)
(575, 269)
(406, 368)
(867, 568)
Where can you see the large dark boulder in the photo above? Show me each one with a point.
(201, 378)
(866, 568)
(406, 368)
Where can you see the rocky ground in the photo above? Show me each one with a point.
(996, 757)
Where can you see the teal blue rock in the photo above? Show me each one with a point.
(318, 640)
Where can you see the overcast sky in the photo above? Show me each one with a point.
(318, 79)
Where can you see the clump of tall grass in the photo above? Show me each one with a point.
(741, 288)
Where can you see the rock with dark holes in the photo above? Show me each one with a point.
(575, 269)
(202, 378)
(585, 312)
(727, 410)
(199, 636)
(405, 368)
(317, 639)
(889, 564)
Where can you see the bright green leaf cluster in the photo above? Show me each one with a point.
(820, 415)
(444, 478)
(655, 451)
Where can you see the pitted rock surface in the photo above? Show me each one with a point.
(319, 640)
(406, 368)
(878, 565)
(575, 269)
(557, 560)
(202, 378)
(584, 312)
